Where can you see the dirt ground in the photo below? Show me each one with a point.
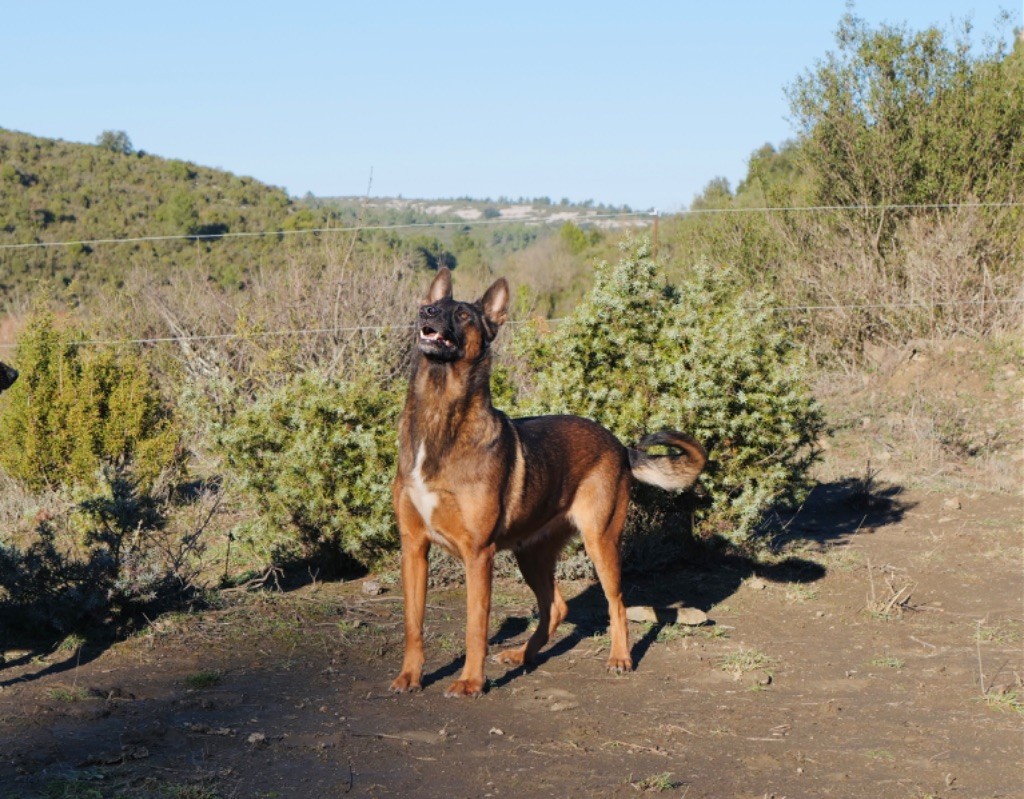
(879, 652)
(879, 656)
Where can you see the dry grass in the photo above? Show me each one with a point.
(940, 415)
(745, 660)
(940, 277)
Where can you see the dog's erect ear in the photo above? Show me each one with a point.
(495, 302)
(441, 288)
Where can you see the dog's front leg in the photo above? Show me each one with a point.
(415, 549)
(479, 572)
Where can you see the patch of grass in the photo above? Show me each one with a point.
(678, 632)
(745, 660)
(1008, 701)
(72, 643)
(801, 593)
(189, 792)
(75, 789)
(656, 783)
(1007, 631)
(880, 754)
(841, 558)
(68, 693)
(673, 632)
(888, 662)
(206, 678)
(507, 599)
(346, 626)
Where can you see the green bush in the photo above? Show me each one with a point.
(706, 357)
(77, 410)
(317, 458)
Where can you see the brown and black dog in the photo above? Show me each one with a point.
(474, 481)
(8, 374)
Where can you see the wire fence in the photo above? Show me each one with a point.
(556, 218)
(332, 331)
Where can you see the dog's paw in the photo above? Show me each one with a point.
(511, 657)
(405, 683)
(620, 665)
(461, 688)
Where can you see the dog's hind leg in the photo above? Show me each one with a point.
(599, 512)
(537, 563)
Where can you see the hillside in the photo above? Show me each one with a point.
(57, 191)
(54, 191)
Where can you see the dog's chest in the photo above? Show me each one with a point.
(424, 499)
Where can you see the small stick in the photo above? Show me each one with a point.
(650, 749)
(977, 641)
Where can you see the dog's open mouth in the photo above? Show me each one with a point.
(430, 336)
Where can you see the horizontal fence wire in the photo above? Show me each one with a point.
(536, 220)
(330, 331)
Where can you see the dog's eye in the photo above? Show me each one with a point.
(463, 316)
(429, 310)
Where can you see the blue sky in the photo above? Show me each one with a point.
(637, 103)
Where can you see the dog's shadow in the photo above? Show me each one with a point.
(701, 585)
(833, 514)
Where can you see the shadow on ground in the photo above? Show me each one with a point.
(832, 514)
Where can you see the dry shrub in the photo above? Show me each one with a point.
(941, 279)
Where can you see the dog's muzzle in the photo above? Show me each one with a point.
(435, 339)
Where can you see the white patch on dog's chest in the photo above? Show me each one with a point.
(424, 500)
(422, 497)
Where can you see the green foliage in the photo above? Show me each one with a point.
(116, 141)
(77, 410)
(706, 357)
(575, 239)
(180, 214)
(316, 458)
(894, 116)
(428, 252)
(61, 191)
(714, 195)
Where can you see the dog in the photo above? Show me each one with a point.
(8, 374)
(474, 482)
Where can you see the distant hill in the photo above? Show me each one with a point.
(539, 210)
(57, 191)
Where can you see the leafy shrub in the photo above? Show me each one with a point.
(77, 410)
(316, 458)
(705, 357)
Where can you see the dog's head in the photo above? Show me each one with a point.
(449, 330)
(8, 374)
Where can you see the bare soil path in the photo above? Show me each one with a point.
(880, 655)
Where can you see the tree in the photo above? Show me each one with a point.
(715, 194)
(116, 141)
(896, 117)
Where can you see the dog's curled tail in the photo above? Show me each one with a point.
(673, 472)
